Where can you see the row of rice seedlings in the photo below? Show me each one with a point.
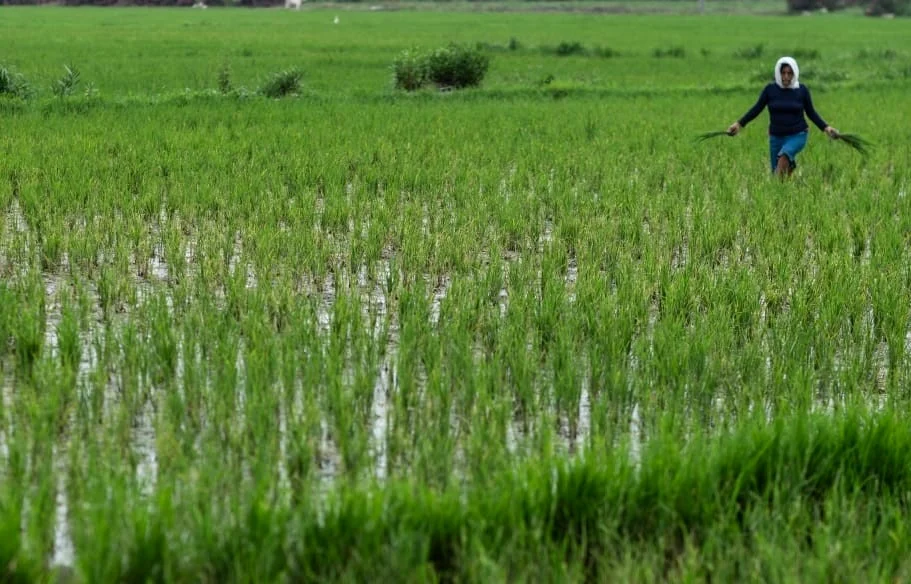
(798, 482)
(747, 304)
(802, 312)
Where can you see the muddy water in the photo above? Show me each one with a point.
(64, 553)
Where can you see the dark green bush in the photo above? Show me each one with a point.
(457, 66)
(451, 67)
(813, 5)
(675, 52)
(224, 79)
(282, 84)
(567, 48)
(410, 70)
(13, 84)
(880, 7)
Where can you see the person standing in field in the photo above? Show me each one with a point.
(787, 101)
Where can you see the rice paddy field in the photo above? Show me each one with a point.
(530, 331)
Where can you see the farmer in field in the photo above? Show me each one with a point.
(787, 101)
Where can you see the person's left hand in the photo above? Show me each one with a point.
(831, 132)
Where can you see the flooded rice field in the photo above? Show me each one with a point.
(377, 377)
(527, 332)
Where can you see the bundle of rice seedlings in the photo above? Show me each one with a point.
(856, 142)
(707, 135)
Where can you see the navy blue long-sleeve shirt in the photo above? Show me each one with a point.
(786, 109)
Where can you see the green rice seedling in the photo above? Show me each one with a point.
(69, 344)
(52, 247)
(567, 379)
(148, 548)
(552, 296)
(192, 376)
(456, 345)
(135, 364)
(8, 307)
(175, 249)
(98, 378)
(108, 290)
(436, 455)
(890, 317)
(105, 561)
(46, 411)
(29, 323)
(260, 399)
(326, 549)
(856, 142)
(613, 332)
(414, 313)
(708, 135)
(522, 369)
(164, 341)
(227, 550)
(21, 567)
(224, 371)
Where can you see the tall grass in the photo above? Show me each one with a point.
(766, 498)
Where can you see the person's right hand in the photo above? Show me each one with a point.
(734, 129)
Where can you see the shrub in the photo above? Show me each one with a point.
(451, 67)
(13, 84)
(410, 71)
(676, 52)
(567, 48)
(457, 66)
(811, 5)
(282, 84)
(880, 7)
(66, 84)
(224, 79)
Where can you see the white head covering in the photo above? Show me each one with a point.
(793, 64)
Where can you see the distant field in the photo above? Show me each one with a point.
(150, 51)
(525, 332)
